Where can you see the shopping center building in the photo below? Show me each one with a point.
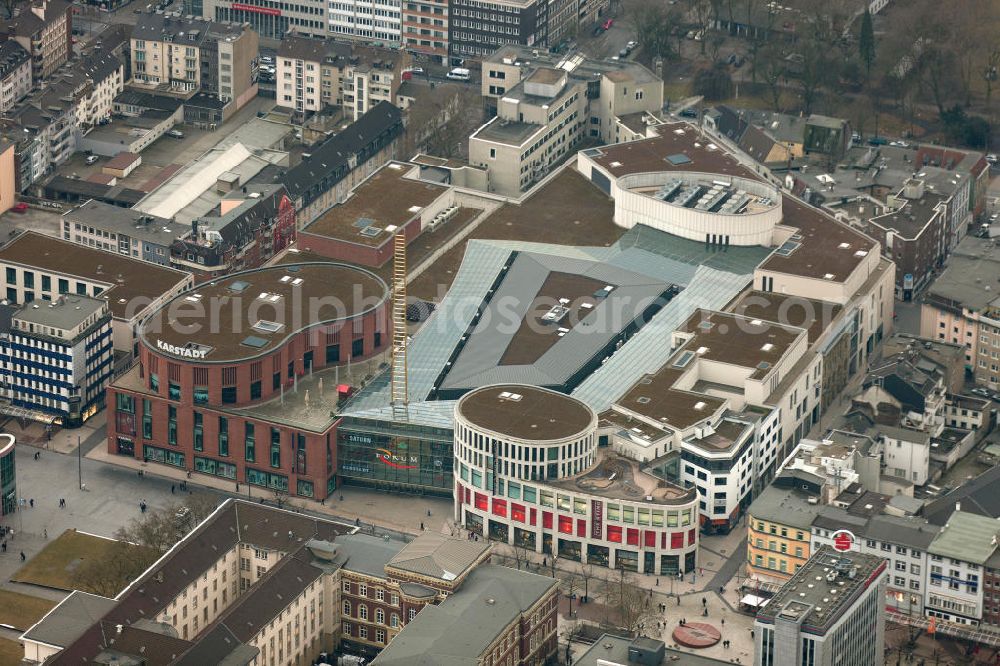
(239, 378)
(530, 473)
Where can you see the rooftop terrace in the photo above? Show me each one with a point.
(617, 477)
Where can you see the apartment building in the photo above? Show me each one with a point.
(56, 358)
(779, 528)
(72, 103)
(425, 28)
(312, 74)
(15, 74)
(44, 29)
(962, 307)
(915, 234)
(377, 22)
(829, 612)
(251, 225)
(182, 56)
(335, 166)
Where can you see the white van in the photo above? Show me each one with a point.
(459, 74)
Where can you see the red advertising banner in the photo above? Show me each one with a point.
(596, 519)
(256, 10)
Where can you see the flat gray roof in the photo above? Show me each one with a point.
(128, 221)
(510, 133)
(968, 537)
(614, 649)
(67, 311)
(458, 630)
(822, 589)
(787, 507)
(966, 280)
(70, 619)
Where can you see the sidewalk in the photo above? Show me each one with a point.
(402, 513)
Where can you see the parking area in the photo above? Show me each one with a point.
(167, 154)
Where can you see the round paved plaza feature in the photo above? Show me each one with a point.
(696, 635)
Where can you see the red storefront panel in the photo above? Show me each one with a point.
(565, 524)
(677, 540)
(517, 512)
(614, 534)
(547, 519)
(482, 502)
(500, 508)
(649, 537)
(663, 540)
(632, 537)
(581, 527)
(533, 515)
(691, 536)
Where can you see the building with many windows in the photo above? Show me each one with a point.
(377, 22)
(56, 357)
(236, 389)
(8, 475)
(126, 231)
(963, 308)
(425, 28)
(830, 612)
(44, 29)
(530, 473)
(35, 268)
(957, 559)
(545, 106)
(779, 529)
(15, 74)
(184, 56)
(478, 28)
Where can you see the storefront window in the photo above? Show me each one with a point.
(201, 395)
(614, 512)
(548, 498)
(672, 519)
(514, 490)
(304, 488)
(215, 467)
(562, 502)
(464, 473)
(156, 454)
(477, 478)
(530, 495)
(644, 516)
(579, 506)
(421, 459)
(686, 517)
(657, 518)
(628, 515)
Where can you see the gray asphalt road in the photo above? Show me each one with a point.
(729, 567)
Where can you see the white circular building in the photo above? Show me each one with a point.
(529, 472)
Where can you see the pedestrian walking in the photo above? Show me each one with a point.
(173, 488)
(31, 502)
(678, 600)
(705, 612)
(657, 582)
(45, 533)
(23, 558)
(421, 527)
(3, 546)
(723, 621)
(704, 601)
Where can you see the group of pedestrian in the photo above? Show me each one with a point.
(142, 506)
(726, 643)
(62, 503)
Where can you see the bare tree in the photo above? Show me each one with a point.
(440, 121)
(520, 555)
(587, 574)
(570, 586)
(771, 64)
(109, 576)
(628, 601)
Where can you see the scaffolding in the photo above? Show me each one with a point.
(399, 391)
(976, 634)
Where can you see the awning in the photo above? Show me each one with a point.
(753, 600)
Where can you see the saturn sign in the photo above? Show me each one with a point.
(843, 541)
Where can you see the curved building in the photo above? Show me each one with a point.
(529, 471)
(225, 382)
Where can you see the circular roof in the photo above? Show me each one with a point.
(249, 314)
(526, 412)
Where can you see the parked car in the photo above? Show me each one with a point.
(991, 158)
(177, 134)
(414, 70)
(632, 44)
(878, 141)
(623, 53)
(607, 24)
(689, 112)
(92, 159)
(19, 207)
(598, 29)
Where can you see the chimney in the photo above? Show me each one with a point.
(194, 230)
(958, 506)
